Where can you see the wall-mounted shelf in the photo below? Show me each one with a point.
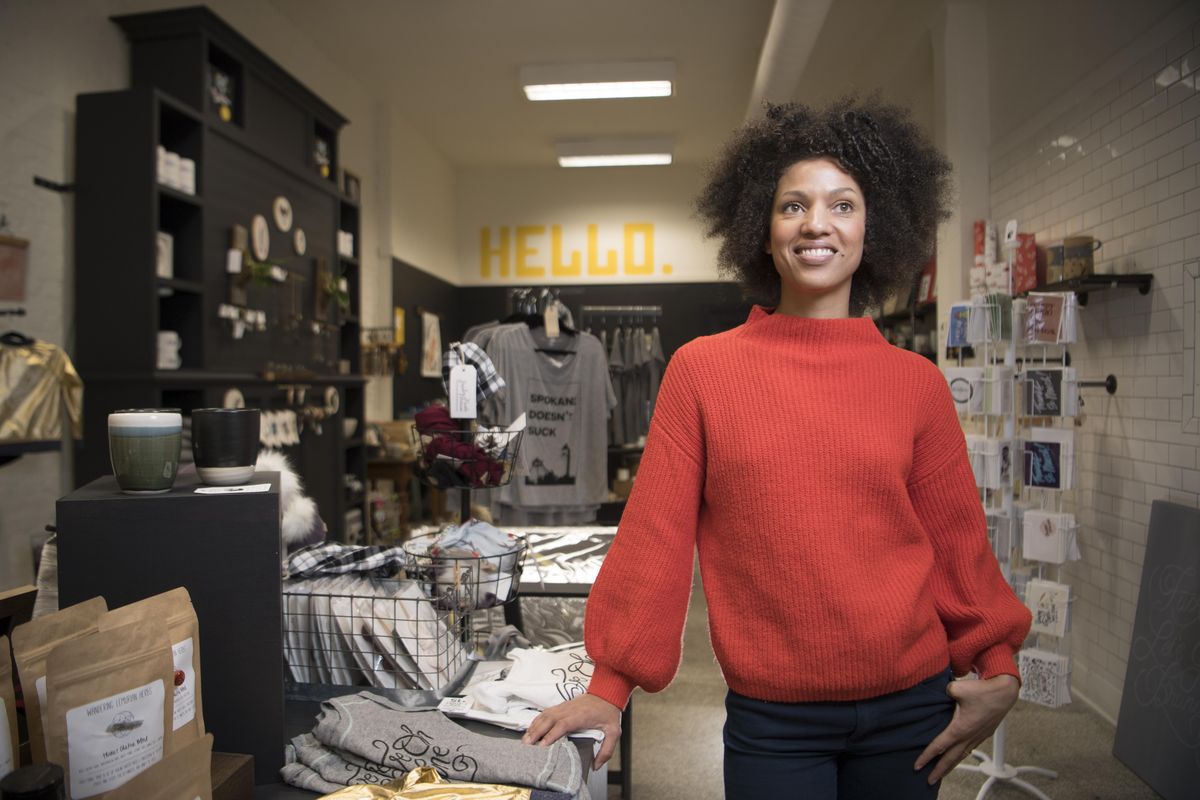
(179, 285)
(906, 314)
(1094, 283)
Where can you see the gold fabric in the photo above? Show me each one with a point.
(40, 392)
(424, 783)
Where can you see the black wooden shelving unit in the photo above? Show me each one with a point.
(260, 149)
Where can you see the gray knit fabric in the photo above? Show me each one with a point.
(343, 768)
(374, 730)
(302, 776)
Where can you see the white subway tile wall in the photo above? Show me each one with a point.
(1121, 163)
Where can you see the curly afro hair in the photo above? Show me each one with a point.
(906, 181)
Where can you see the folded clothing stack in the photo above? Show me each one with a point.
(366, 739)
(424, 783)
(537, 680)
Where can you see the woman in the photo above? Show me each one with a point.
(822, 475)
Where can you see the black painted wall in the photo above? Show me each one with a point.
(415, 290)
(689, 310)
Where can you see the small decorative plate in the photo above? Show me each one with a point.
(300, 241)
(260, 237)
(283, 213)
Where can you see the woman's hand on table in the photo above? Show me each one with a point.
(582, 713)
(980, 706)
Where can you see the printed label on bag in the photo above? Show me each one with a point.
(112, 740)
(6, 753)
(185, 693)
(462, 391)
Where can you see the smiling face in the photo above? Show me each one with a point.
(818, 223)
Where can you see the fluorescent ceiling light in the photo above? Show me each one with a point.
(598, 81)
(614, 153)
(629, 160)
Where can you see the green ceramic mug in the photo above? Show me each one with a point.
(143, 445)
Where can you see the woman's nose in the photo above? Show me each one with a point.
(814, 222)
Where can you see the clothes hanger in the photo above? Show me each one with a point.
(16, 339)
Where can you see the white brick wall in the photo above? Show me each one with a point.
(1121, 162)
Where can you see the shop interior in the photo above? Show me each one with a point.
(309, 215)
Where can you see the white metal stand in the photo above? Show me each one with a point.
(994, 766)
(997, 770)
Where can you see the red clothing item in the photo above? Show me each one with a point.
(823, 477)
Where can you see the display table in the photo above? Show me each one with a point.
(564, 562)
(225, 550)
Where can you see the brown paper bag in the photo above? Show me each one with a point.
(31, 643)
(186, 774)
(175, 609)
(10, 751)
(108, 713)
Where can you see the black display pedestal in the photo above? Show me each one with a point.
(226, 550)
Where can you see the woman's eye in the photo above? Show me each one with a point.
(844, 207)
(791, 208)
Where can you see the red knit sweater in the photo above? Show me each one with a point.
(823, 476)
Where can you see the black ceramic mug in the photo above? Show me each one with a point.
(225, 444)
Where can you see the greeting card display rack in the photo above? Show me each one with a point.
(996, 346)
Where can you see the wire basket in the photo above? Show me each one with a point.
(466, 459)
(351, 630)
(463, 581)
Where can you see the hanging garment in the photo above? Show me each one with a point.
(40, 392)
(567, 396)
(655, 367)
(634, 399)
(616, 374)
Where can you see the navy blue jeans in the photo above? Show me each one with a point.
(857, 750)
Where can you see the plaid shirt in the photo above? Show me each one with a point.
(489, 381)
(332, 558)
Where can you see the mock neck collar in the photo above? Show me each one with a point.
(852, 331)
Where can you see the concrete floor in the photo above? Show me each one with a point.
(677, 740)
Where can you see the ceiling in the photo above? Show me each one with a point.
(450, 67)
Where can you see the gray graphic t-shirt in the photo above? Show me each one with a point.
(566, 399)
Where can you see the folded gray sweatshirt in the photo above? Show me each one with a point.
(393, 740)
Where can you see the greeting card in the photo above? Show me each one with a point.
(1045, 678)
(1049, 458)
(1048, 536)
(1049, 602)
(1050, 392)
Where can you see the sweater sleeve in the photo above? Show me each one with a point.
(985, 621)
(636, 611)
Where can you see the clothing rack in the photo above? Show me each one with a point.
(640, 313)
(531, 300)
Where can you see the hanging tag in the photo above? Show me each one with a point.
(462, 391)
(551, 321)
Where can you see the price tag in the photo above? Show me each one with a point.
(452, 705)
(550, 317)
(462, 391)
